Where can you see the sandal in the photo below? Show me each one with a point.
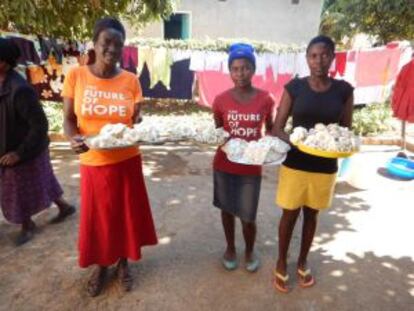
(253, 265)
(125, 278)
(283, 278)
(303, 275)
(96, 282)
(230, 265)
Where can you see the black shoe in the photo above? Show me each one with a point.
(24, 237)
(63, 215)
(96, 282)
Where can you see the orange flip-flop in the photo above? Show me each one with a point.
(302, 274)
(284, 278)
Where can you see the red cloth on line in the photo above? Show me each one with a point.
(213, 83)
(377, 67)
(129, 59)
(246, 121)
(403, 96)
(115, 218)
(340, 64)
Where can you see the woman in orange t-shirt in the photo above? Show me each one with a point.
(115, 219)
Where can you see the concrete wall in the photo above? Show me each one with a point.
(271, 20)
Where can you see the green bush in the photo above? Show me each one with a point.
(54, 113)
(372, 119)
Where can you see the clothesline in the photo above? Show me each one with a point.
(171, 73)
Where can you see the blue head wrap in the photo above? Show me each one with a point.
(242, 50)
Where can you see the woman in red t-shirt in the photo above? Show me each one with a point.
(245, 112)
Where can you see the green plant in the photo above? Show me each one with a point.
(75, 19)
(386, 20)
(54, 114)
(372, 119)
(170, 106)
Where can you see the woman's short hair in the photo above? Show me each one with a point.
(330, 44)
(107, 23)
(9, 52)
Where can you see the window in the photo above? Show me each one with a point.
(177, 26)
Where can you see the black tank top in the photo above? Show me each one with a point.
(310, 107)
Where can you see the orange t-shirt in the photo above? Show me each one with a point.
(101, 101)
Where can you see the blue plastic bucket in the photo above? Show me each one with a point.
(401, 167)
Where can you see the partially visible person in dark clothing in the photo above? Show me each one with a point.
(27, 182)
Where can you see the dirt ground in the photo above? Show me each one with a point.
(363, 255)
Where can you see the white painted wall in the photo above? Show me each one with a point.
(271, 20)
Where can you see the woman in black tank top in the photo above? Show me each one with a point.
(306, 182)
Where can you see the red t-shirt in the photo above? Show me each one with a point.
(242, 120)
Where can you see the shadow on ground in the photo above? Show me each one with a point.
(359, 259)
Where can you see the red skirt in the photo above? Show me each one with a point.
(115, 218)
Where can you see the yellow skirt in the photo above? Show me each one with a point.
(298, 188)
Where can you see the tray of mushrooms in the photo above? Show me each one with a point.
(267, 150)
(328, 141)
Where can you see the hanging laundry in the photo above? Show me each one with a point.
(212, 83)
(27, 49)
(198, 61)
(70, 48)
(36, 74)
(286, 63)
(214, 60)
(145, 57)
(406, 56)
(350, 68)
(261, 65)
(50, 47)
(160, 68)
(339, 66)
(129, 60)
(377, 66)
(181, 84)
(372, 94)
(178, 55)
(47, 80)
(301, 65)
(272, 60)
(52, 66)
